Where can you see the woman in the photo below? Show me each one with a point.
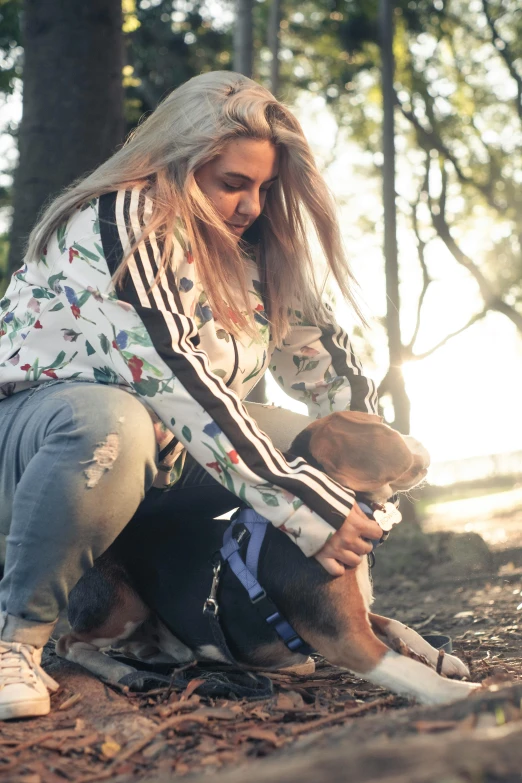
(154, 294)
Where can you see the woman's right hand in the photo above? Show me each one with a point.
(347, 545)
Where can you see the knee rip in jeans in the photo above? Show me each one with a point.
(103, 459)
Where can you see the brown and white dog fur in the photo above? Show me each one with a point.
(331, 613)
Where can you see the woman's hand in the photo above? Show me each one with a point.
(346, 546)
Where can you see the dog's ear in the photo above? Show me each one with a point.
(301, 447)
(358, 450)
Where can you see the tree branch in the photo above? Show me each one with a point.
(432, 140)
(473, 320)
(505, 54)
(426, 279)
(491, 299)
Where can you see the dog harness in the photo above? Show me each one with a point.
(249, 523)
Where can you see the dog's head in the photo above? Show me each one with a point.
(361, 452)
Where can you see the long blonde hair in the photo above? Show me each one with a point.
(188, 129)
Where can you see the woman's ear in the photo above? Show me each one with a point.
(358, 450)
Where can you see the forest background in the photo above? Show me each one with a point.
(414, 111)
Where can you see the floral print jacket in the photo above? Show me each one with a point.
(62, 318)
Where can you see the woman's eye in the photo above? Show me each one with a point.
(231, 187)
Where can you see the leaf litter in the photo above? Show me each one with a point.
(188, 733)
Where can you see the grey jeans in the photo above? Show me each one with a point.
(77, 461)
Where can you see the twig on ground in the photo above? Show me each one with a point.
(71, 701)
(440, 661)
(316, 724)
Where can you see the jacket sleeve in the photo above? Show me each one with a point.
(148, 344)
(317, 366)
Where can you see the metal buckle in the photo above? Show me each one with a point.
(259, 597)
(211, 605)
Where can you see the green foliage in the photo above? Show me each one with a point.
(458, 83)
(10, 44)
(171, 42)
(459, 89)
(462, 83)
(314, 57)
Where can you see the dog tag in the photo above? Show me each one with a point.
(387, 516)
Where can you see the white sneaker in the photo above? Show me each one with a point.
(24, 686)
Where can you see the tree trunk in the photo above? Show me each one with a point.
(72, 102)
(243, 63)
(243, 38)
(274, 21)
(394, 380)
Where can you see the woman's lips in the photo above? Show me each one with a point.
(235, 227)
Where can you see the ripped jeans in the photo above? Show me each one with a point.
(77, 461)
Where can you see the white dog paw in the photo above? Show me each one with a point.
(454, 667)
(447, 691)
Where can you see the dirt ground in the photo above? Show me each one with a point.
(327, 725)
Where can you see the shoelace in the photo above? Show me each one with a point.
(17, 665)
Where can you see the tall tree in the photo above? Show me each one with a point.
(393, 383)
(244, 63)
(274, 23)
(72, 101)
(244, 38)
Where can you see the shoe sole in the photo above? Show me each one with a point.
(24, 709)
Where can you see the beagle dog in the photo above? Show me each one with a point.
(146, 593)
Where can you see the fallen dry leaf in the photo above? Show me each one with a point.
(264, 735)
(110, 748)
(191, 687)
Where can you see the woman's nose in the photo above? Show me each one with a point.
(250, 205)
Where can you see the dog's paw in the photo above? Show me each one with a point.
(447, 691)
(454, 667)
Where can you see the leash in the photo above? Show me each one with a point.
(215, 684)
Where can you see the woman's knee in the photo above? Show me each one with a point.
(108, 426)
(105, 409)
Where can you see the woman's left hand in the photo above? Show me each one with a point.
(350, 543)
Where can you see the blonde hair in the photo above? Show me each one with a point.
(188, 129)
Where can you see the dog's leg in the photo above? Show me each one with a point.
(391, 631)
(357, 648)
(154, 643)
(103, 609)
(91, 658)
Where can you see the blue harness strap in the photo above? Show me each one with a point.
(246, 571)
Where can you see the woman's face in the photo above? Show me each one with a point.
(237, 181)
